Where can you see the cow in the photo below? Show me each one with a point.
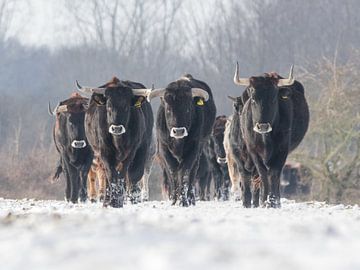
(217, 159)
(296, 180)
(240, 164)
(75, 154)
(119, 124)
(274, 121)
(184, 123)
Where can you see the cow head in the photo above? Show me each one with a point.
(263, 93)
(179, 100)
(119, 99)
(70, 119)
(218, 139)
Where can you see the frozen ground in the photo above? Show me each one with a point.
(213, 235)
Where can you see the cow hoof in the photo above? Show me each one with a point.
(117, 204)
(101, 198)
(246, 204)
(93, 200)
(273, 202)
(184, 204)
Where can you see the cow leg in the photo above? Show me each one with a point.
(92, 185)
(115, 187)
(75, 184)
(145, 186)
(234, 178)
(255, 184)
(183, 188)
(217, 181)
(208, 183)
(67, 185)
(83, 183)
(262, 171)
(274, 173)
(136, 173)
(166, 191)
(246, 188)
(226, 184)
(101, 176)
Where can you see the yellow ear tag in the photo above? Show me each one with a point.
(138, 102)
(200, 102)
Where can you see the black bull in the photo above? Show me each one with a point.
(184, 123)
(119, 124)
(71, 144)
(274, 121)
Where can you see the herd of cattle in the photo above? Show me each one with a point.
(109, 137)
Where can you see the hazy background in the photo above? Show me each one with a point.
(46, 45)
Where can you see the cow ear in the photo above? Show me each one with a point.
(99, 99)
(138, 101)
(284, 93)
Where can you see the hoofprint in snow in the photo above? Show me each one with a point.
(155, 235)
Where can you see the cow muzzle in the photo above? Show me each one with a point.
(262, 128)
(78, 144)
(178, 133)
(117, 129)
(221, 160)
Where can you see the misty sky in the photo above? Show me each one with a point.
(42, 22)
(45, 22)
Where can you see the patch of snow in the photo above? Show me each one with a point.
(155, 235)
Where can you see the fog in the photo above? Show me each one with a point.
(46, 45)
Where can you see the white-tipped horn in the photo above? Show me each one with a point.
(198, 92)
(290, 80)
(90, 90)
(238, 80)
(156, 93)
(50, 111)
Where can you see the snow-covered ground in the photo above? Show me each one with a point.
(213, 235)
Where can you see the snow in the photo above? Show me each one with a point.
(155, 235)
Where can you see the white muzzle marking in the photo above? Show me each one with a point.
(221, 160)
(117, 129)
(78, 144)
(262, 128)
(178, 133)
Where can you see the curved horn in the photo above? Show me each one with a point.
(50, 110)
(198, 92)
(290, 80)
(238, 80)
(89, 90)
(156, 93)
(234, 99)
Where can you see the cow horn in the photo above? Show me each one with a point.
(141, 92)
(234, 99)
(58, 109)
(156, 93)
(290, 80)
(198, 92)
(238, 80)
(50, 111)
(89, 90)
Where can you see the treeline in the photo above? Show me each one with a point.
(156, 42)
